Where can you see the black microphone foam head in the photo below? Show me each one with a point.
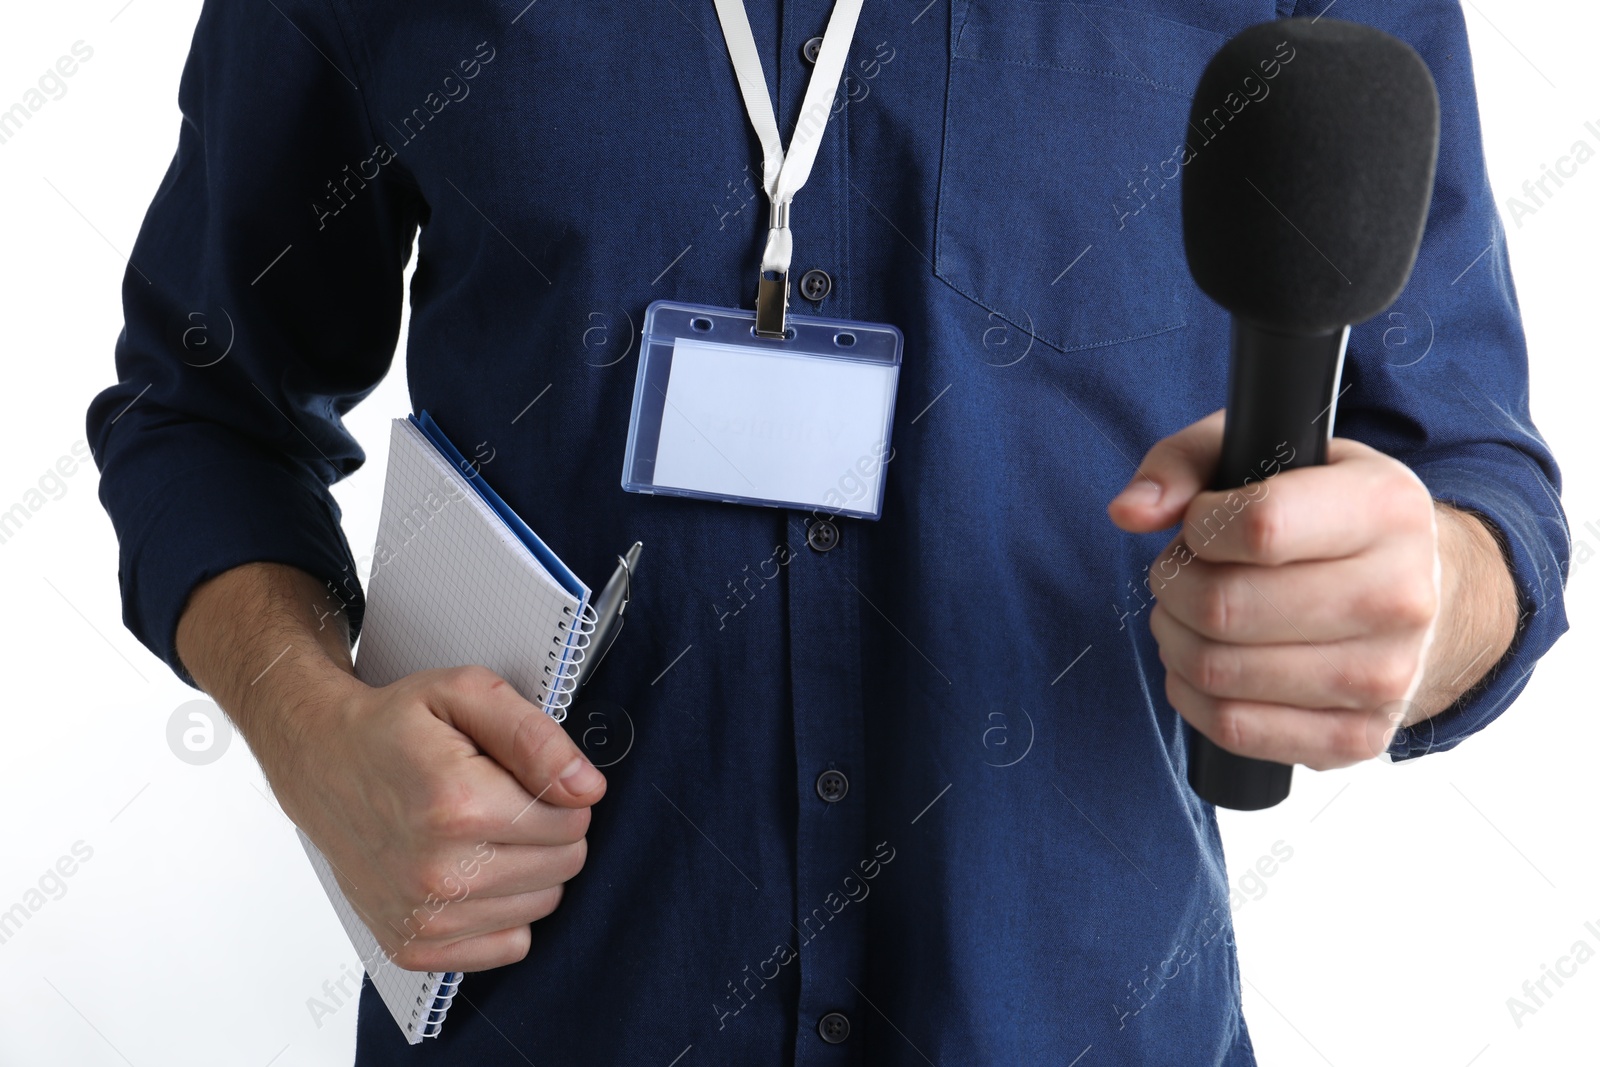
(1309, 166)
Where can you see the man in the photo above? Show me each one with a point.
(893, 792)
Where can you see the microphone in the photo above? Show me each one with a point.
(1307, 175)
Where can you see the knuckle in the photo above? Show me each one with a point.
(1264, 527)
(1414, 602)
(433, 881)
(1215, 608)
(448, 811)
(1407, 500)
(533, 740)
(1407, 600)
(456, 681)
(1231, 728)
(1387, 676)
(412, 882)
(1215, 669)
(472, 680)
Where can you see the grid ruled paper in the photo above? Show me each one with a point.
(451, 586)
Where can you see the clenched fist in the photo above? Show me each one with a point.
(1306, 617)
(451, 809)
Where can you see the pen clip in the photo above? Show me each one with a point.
(627, 584)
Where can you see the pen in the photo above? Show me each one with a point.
(608, 609)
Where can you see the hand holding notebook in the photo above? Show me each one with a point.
(440, 845)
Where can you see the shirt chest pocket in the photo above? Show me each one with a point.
(1059, 182)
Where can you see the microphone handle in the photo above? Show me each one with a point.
(1281, 395)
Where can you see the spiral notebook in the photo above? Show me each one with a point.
(458, 578)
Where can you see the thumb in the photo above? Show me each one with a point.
(1172, 474)
(517, 735)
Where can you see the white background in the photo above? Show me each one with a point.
(1418, 898)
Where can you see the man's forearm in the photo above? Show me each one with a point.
(1477, 612)
(260, 641)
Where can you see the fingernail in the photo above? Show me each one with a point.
(580, 777)
(1141, 493)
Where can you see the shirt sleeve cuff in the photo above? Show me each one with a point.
(221, 515)
(1505, 489)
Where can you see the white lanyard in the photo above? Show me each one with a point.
(783, 173)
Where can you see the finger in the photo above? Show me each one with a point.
(463, 920)
(1170, 475)
(469, 954)
(1317, 602)
(1321, 739)
(487, 804)
(519, 737)
(498, 871)
(1345, 674)
(1329, 512)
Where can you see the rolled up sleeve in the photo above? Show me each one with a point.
(261, 303)
(1440, 381)
(1504, 486)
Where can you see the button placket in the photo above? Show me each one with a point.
(825, 634)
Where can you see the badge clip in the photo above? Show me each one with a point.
(772, 304)
(772, 287)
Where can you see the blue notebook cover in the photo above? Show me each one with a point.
(541, 551)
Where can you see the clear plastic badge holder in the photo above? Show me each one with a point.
(798, 422)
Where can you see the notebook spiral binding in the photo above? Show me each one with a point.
(434, 1022)
(564, 678)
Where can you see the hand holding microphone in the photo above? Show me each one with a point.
(1293, 616)
(1302, 599)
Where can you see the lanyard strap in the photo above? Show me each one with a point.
(783, 173)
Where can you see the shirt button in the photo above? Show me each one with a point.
(832, 786)
(822, 535)
(833, 1027)
(810, 49)
(815, 284)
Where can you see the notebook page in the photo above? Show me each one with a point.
(452, 586)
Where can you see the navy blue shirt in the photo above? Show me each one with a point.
(1016, 870)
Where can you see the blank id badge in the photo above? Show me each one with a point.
(801, 421)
